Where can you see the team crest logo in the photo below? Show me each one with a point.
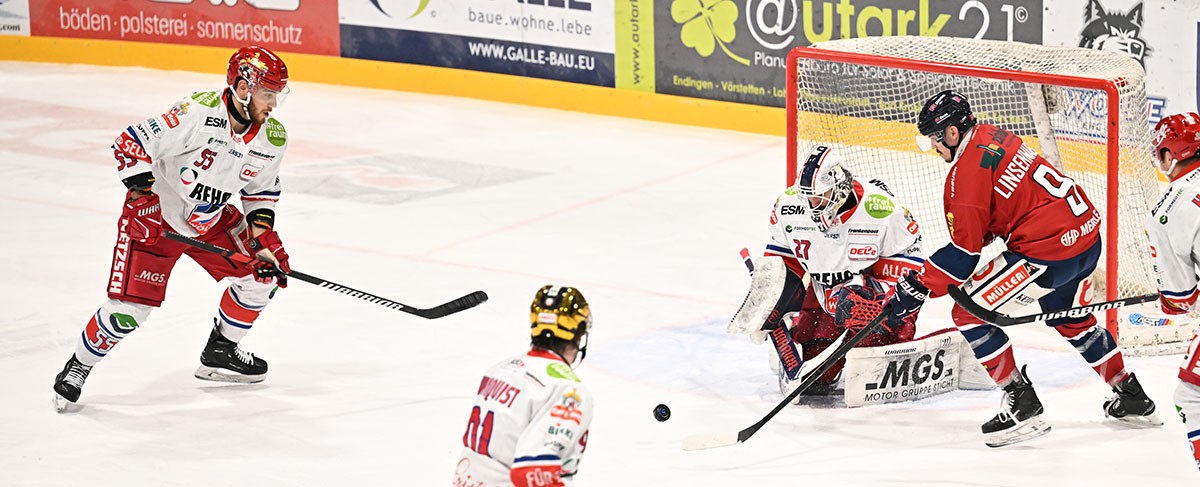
(1114, 31)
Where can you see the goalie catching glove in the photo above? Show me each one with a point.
(272, 259)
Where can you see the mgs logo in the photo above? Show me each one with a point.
(1114, 31)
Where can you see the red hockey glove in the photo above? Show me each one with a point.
(857, 305)
(143, 218)
(272, 258)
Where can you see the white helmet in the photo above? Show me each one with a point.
(825, 184)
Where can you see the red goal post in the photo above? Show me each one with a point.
(1084, 109)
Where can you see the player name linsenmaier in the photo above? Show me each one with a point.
(743, 88)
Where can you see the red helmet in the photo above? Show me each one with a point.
(257, 65)
(1179, 133)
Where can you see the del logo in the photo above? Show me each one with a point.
(900, 373)
(249, 172)
(1114, 31)
(863, 251)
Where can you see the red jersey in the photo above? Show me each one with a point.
(1000, 187)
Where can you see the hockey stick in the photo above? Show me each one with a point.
(466, 302)
(999, 319)
(789, 357)
(704, 442)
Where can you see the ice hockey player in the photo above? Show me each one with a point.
(998, 187)
(852, 238)
(1172, 227)
(181, 168)
(529, 424)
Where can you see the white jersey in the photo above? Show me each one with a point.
(198, 162)
(878, 232)
(1173, 227)
(531, 415)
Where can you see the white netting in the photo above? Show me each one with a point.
(870, 112)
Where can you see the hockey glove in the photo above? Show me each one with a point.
(857, 305)
(272, 258)
(909, 297)
(142, 216)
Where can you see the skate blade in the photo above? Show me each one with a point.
(1030, 429)
(221, 375)
(1148, 421)
(63, 405)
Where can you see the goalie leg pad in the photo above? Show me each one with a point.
(906, 371)
(773, 291)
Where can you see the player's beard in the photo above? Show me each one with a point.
(258, 114)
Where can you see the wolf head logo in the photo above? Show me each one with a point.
(1114, 31)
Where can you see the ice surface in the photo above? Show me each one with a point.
(422, 199)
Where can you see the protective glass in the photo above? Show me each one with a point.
(268, 97)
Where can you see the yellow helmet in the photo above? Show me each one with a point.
(559, 312)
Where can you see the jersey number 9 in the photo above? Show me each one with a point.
(1064, 188)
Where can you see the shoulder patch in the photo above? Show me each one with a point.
(206, 98)
(561, 371)
(276, 134)
(879, 206)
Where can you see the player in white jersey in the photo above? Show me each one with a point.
(181, 169)
(529, 424)
(1174, 230)
(852, 238)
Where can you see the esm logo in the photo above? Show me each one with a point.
(900, 373)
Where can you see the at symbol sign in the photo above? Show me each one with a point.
(757, 21)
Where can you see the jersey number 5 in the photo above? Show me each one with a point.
(1060, 187)
(478, 436)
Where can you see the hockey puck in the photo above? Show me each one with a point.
(662, 412)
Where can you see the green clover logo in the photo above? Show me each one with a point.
(707, 26)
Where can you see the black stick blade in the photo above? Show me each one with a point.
(461, 304)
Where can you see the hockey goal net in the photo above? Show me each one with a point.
(1085, 110)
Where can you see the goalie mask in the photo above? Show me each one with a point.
(943, 110)
(561, 313)
(824, 184)
(1179, 134)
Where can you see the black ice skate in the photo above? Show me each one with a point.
(223, 361)
(68, 384)
(1020, 416)
(1131, 404)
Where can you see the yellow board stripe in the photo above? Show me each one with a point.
(413, 78)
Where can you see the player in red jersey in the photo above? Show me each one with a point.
(999, 187)
(1172, 229)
